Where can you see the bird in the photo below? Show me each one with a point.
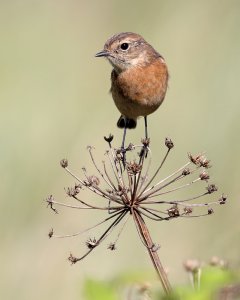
(139, 78)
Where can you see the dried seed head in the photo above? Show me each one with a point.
(109, 138)
(50, 234)
(50, 199)
(218, 262)
(199, 160)
(211, 188)
(133, 168)
(72, 259)
(214, 261)
(93, 180)
(145, 142)
(112, 246)
(194, 159)
(144, 290)
(204, 162)
(188, 210)
(78, 187)
(169, 143)
(204, 176)
(89, 147)
(210, 211)
(70, 191)
(173, 211)
(73, 191)
(91, 243)
(64, 163)
(119, 155)
(50, 203)
(186, 172)
(130, 147)
(223, 199)
(192, 265)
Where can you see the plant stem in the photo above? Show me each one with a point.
(143, 230)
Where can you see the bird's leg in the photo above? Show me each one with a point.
(123, 150)
(146, 135)
(145, 143)
(146, 132)
(124, 136)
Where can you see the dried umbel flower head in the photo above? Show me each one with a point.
(218, 262)
(128, 191)
(64, 163)
(192, 265)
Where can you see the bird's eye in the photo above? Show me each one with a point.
(124, 46)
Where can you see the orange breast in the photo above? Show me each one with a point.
(139, 91)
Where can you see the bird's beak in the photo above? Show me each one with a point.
(103, 53)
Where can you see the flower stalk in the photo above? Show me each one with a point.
(127, 190)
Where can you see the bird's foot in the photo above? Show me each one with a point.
(145, 146)
(123, 152)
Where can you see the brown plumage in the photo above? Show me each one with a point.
(139, 77)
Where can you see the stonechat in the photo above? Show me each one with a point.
(139, 78)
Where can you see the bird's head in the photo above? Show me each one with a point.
(126, 50)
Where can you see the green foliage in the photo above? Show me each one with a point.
(212, 281)
(128, 282)
(99, 290)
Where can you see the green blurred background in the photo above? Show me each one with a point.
(55, 101)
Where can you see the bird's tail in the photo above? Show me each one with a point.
(125, 122)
